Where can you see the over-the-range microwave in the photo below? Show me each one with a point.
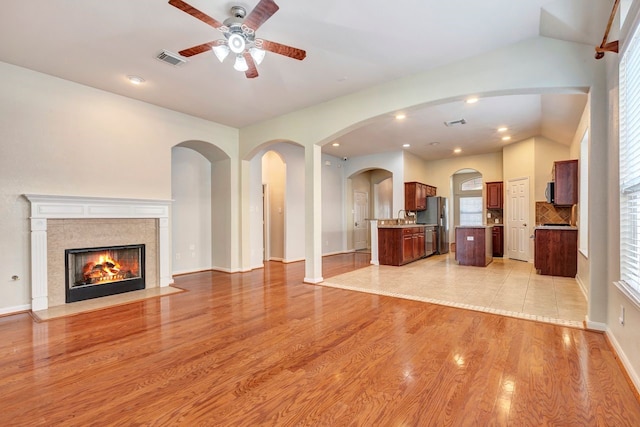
(549, 192)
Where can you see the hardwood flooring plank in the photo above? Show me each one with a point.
(263, 348)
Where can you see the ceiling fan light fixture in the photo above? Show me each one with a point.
(221, 51)
(257, 55)
(240, 64)
(236, 43)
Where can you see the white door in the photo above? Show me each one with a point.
(266, 223)
(518, 218)
(360, 212)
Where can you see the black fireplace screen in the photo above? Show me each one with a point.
(98, 272)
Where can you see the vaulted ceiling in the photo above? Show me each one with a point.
(350, 45)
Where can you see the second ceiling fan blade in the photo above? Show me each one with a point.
(187, 8)
(283, 49)
(252, 72)
(197, 49)
(263, 11)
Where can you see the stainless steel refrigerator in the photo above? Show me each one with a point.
(437, 213)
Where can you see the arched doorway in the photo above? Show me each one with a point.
(200, 212)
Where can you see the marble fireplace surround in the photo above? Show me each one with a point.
(94, 209)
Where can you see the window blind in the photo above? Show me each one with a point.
(630, 165)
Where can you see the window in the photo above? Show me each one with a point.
(630, 167)
(472, 184)
(471, 210)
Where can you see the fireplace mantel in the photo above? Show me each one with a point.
(44, 207)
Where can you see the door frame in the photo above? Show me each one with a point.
(355, 229)
(524, 233)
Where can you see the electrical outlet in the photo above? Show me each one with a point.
(621, 318)
(177, 255)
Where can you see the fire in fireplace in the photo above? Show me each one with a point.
(98, 272)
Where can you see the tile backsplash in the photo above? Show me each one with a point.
(548, 213)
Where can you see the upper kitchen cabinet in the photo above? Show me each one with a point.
(415, 195)
(565, 176)
(494, 195)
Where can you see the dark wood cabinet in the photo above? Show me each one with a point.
(498, 241)
(556, 252)
(494, 195)
(400, 245)
(473, 246)
(565, 176)
(415, 194)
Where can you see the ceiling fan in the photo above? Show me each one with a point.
(240, 39)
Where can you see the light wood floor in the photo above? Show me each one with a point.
(262, 348)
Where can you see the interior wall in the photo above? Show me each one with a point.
(439, 172)
(333, 220)
(51, 131)
(383, 199)
(294, 225)
(546, 153)
(414, 168)
(256, 232)
(190, 211)
(274, 175)
(221, 220)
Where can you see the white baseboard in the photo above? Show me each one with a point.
(288, 261)
(595, 326)
(625, 361)
(339, 252)
(15, 309)
(583, 287)
(313, 281)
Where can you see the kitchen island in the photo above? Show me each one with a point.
(400, 242)
(474, 245)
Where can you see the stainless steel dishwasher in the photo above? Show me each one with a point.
(429, 240)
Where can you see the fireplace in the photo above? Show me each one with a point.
(98, 272)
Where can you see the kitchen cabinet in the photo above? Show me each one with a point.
(474, 245)
(565, 177)
(415, 194)
(556, 251)
(494, 195)
(400, 245)
(498, 241)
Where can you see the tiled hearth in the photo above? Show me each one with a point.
(66, 222)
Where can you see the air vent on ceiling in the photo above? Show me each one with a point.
(171, 58)
(455, 122)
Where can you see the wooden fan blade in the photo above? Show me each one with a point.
(197, 49)
(260, 14)
(195, 13)
(282, 49)
(252, 72)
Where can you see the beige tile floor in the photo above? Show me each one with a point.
(505, 287)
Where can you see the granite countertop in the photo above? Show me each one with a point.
(556, 227)
(474, 226)
(402, 225)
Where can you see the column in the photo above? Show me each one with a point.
(313, 214)
(39, 290)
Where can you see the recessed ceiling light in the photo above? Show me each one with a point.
(458, 150)
(401, 116)
(503, 129)
(472, 100)
(406, 145)
(336, 144)
(434, 143)
(506, 138)
(136, 80)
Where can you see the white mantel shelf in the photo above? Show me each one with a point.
(44, 207)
